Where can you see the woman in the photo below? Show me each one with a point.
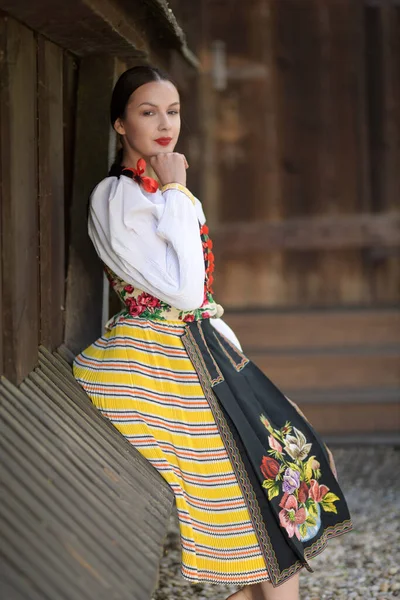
(255, 487)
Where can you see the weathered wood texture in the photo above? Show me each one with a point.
(91, 163)
(51, 193)
(70, 88)
(81, 27)
(342, 366)
(364, 230)
(127, 28)
(366, 328)
(307, 127)
(382, 41)
(83, 515)
(18, 189)
(32, 197)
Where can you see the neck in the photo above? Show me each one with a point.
(130, 158)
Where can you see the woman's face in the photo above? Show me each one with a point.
(152, 121)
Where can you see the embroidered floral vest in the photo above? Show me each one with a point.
(141, 304)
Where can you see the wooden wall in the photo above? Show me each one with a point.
(298, 171)
(304, 133)
(33, 105)
(56, 145)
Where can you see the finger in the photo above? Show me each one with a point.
(185, 162)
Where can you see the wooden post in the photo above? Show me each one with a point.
(386, 276)
(266, 282)
(18, 189)
(51, 193)
(341, 273)
(85, 274)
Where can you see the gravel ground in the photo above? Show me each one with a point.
(359, 564)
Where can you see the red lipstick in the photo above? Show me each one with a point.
(163, 141)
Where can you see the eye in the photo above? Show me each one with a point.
(173, 112)
(148, 113)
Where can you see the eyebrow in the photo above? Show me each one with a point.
(155, 105)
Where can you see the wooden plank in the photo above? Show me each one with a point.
(70, 491)
(384, 82)
(51, 193)
(74, 529)
(341, 420)
(379, 3)
(301, 330)
(330, 371)
(360, 51)
(19, 235)
(341, 275)
(70, 81)
(312, 233)
(73, 403)
(31, 569)
(210, 183)
(2, 132)
(85, 274)
(297, 56)
(60, 424)
(390, 33)
(343, 396)
(14, 583)
(263, 145)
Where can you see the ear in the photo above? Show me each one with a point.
(119, 126)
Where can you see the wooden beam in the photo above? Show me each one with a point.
(331, 371)
(313, 233)
(283, 331)
(382, 2)
(126, 28)
(366, 419)
(18, 199)
(51, 193)
(82, 26)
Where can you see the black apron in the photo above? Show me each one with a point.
(284, 469)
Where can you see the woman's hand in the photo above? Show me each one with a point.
(170, 167)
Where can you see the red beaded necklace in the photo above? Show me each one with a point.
(208, 256)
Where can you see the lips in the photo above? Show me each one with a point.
(164, 141)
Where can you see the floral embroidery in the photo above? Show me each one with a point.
(291, 516)
(287, 470)
(296, 446)
(138, 303)
(269, 467)
(141, 304)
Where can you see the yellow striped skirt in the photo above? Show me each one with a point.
(139, 375)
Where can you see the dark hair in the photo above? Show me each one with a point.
(127, 83)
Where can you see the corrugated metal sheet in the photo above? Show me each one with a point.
(82, 515)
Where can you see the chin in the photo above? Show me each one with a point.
(163, 149)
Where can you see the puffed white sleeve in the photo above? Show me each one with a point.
(227, 331)
(153, 244)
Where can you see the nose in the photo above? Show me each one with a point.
(165, 123)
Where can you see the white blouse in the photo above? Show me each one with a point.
(152, 241)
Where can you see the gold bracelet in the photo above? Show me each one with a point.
(181, 188)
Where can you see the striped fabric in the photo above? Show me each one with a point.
(140, 377)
